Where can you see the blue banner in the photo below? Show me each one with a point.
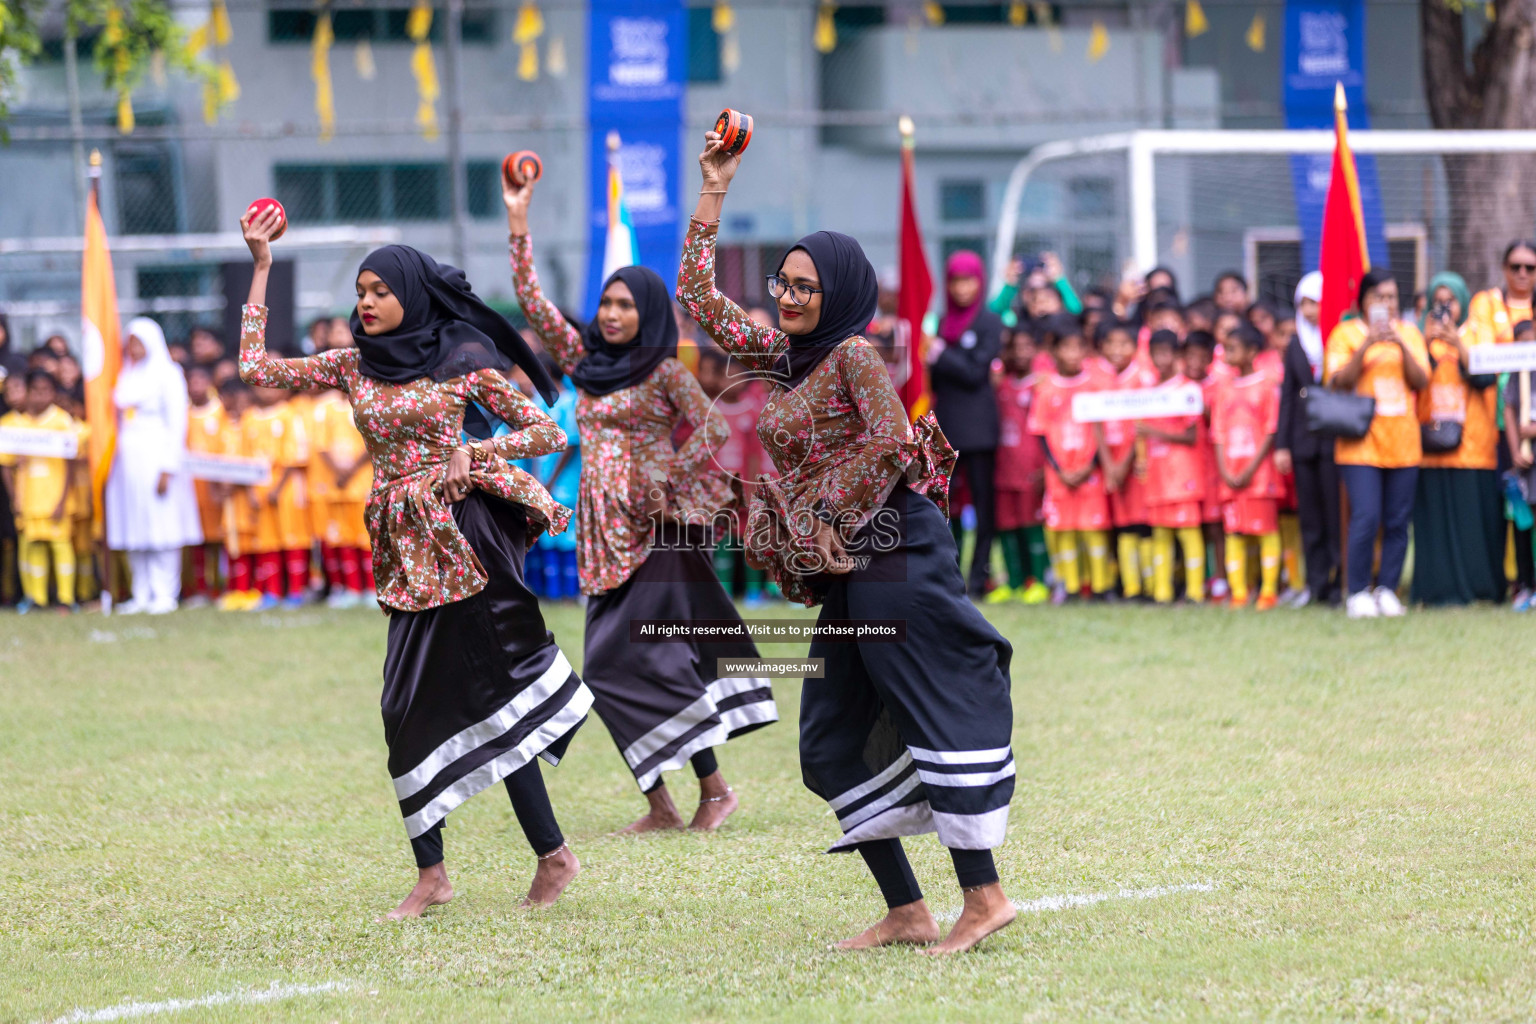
(1325, 45)
(637, 82)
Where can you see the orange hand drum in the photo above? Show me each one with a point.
(735, 130)
(262, 205)
(522, 167)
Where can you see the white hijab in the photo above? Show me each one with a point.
(153, 377)
(1308, 333)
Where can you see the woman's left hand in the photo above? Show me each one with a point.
(163, 484)
(456, 481)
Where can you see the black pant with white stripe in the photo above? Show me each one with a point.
(908, 737)
(530, 802)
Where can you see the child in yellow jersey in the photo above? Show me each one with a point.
(205, 426)
(239, 504)
(342, 474)
(273, 431)
(43, 497)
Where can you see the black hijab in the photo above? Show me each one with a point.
(608, 368)
(849, 293)
(447, 331)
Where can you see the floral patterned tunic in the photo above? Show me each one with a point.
(420, 559)
(841, 440)
(626, 446)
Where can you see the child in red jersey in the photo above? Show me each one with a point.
(1020, 476)
(1076, 504)
(1244, 419)
(1127, 505)
(1198, 357)
(1174, 481)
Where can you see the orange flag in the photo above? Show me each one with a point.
(1344, 257)
(101, 347)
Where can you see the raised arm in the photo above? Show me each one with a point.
(710, 430)
(560, 339)
(533, 432)
(756, 345)
(256, 365)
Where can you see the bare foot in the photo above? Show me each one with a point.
(910, 923)
(717, 801)
(554, 873)
(432, 890)
(662, 815)
(986, 911)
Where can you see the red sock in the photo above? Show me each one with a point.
(351, 569)
(240, 573)
(269, 573)
(331, 563)
(366, 557)
(199, 570)
(297, 564)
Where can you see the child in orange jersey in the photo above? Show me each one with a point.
(1127, 502)
(342, 475)
(205, 427)
(1020, 476)
(1244, 418)
(272, 430)
(1175, 481)
(1198, 357)
(1076, 504)
(241, 507)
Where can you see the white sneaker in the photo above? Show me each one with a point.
(1387, 603)
(161, 607)
(1362, 606)
(130, 607)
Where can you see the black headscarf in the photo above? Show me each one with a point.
(608, 368)
(447, 331)
(849, 293)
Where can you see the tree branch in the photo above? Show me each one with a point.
(1447, 88)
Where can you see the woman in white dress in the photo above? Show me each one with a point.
(151, 509)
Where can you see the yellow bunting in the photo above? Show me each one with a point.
(1195, 22)
(934, 12)
(1255, 36)
(1098, 42)
(363, 59)
(730, 54)
(1018, 13)
(554, 57)
(530, 23)
(826, 29)
(723, 19)
(528, 62)
(124, 112)
(320, 71)
(418, 25)
(197, 39)
(1491, 12)
(219, 19)
(229, 85)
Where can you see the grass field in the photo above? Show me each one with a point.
(1296, 817)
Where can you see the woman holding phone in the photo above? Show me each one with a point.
(1383, 357)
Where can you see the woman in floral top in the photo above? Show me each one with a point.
(906, 734)
(644, 515)
(475, 688)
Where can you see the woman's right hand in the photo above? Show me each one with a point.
(717, 166)
(829, 550)
(258, 231)
(516, 198)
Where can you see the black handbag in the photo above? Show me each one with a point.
(1333, 413)
(1440, 437)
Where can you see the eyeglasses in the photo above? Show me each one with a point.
(1529, 268)
(799, 294)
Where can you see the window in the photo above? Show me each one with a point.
(956, 243)
(381, 24)
(962, 200)
(146, 190)
(1093, 198)
(703, 46)
(975, 14)
(339, 193)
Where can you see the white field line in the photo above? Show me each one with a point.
(1067, 901)
(244, 997)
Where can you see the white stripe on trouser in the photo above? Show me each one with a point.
(968, 779)
(972, 831)
(894, 769)
(757, 713)
(960, 756)
(482, 732)
(732, 685)
(711, 737)
(874, 807)
(637, 752)
(492, 772)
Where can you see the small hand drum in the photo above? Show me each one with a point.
(260, 206)
(522, 167)
(735, 130)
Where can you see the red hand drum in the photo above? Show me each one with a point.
(522, 167)
(735, 130)
(262, 205)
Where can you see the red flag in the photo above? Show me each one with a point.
(916, 293)
(1344, 257)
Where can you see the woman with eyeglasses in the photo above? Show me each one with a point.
(1493, 312)
(643, 518)
(908, 729)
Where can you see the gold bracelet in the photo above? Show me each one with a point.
(712, 191)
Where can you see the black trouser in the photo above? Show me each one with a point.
(888, 863)
(530, 802)
(978, 468)
(1317, 505)
(1525, 563)
(703, 763)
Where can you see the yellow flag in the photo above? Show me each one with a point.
(320, 71)
(363, 59)
(826, 29)
(219, 19)
(197, 39)
(1255, 36)
(723, 19)
(1098, 42)
(418, 25)
(528, 62)
(1018, 13)
(934, 11)
(1195, 23)
(124, 112)
(530, 24)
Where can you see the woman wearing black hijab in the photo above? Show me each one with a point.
(475, 689)
(642, 523)
(908, 733)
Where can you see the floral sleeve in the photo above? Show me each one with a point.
(710, 432)
(533, 432)
(863, 482)
(327, 370)
(754, 344)
(559, 337)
